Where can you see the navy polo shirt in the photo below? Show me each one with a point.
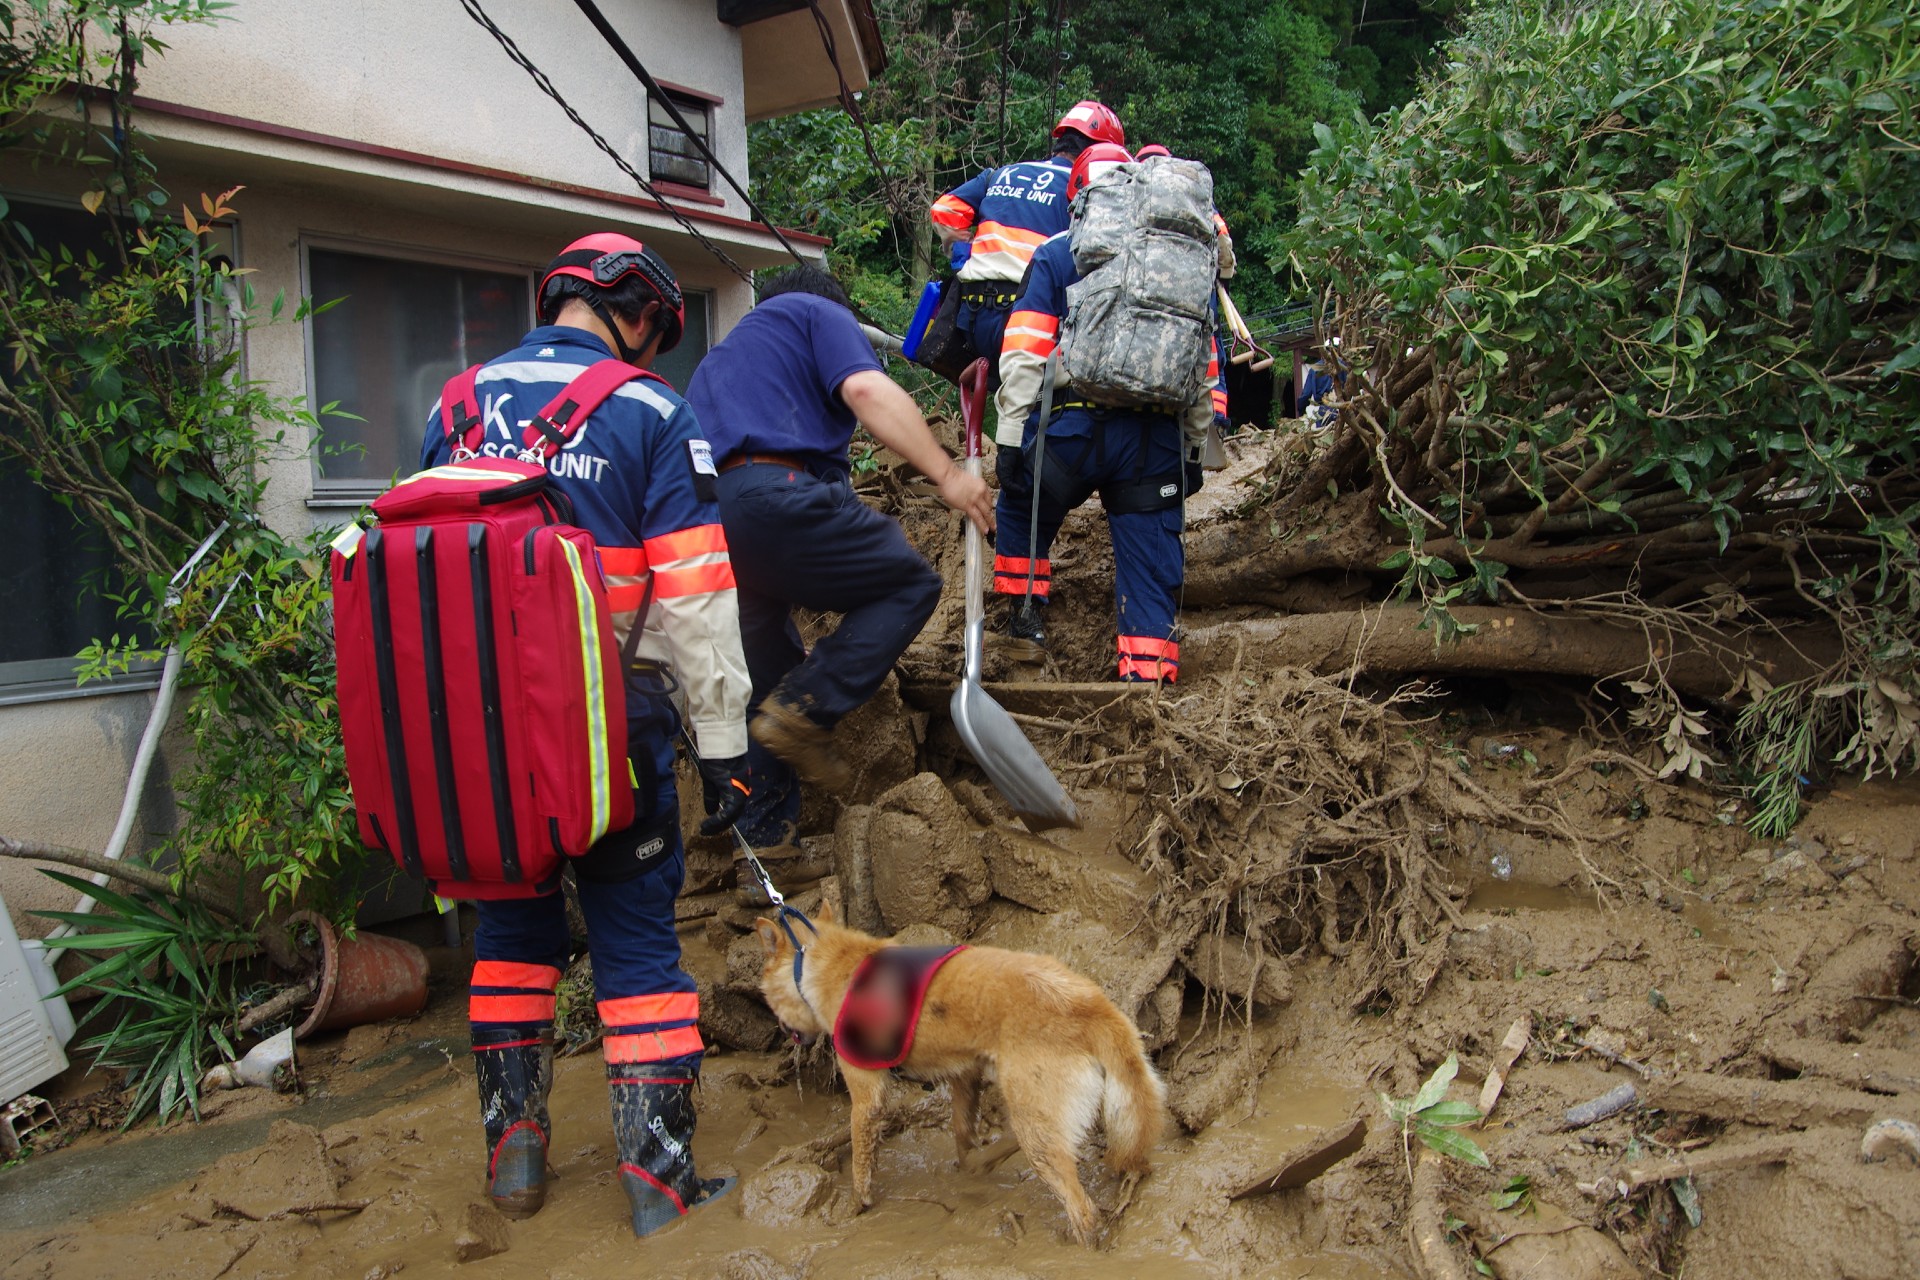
(771, 385)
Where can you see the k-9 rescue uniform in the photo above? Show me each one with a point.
(1141, 463)
(1009, 212)
(638, 475)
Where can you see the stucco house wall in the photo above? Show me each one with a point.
(397, 127)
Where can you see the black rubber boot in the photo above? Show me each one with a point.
(514, 1079)
(653, 1126)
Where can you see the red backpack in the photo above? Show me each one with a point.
(481, 693)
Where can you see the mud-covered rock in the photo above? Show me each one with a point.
(782, 1194)
(853, 868)
(482, 1233)
(1549, 1246)
(925, 856)
(1875, 962)
(1492, 950)
(1238, 969)
(758, 1264)
(1220, 1067)
(731, 1014)
(1127, 967)
(1037, 873)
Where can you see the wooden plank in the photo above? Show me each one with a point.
(1519, 1036)
(1305, 1163)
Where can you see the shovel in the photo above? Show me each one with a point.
(994, 740)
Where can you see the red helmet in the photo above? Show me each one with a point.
(1151, 150)
(1093, 162)
(603, 260)
(1094, 119)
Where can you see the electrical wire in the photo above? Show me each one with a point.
(618, 44)
(546, 86)
(852, 107)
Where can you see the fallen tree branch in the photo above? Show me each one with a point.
(1388, 641)
(1783, 1104)
(1716, 1160)
(127, 872)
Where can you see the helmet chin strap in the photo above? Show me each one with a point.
(625, 352)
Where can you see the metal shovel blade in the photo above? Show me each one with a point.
(1003, 752)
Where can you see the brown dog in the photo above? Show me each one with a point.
(1062, 1054)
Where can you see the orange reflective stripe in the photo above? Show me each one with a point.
(516, 1009)
(631, 561)
(1016, 240)
(1019, 564)
(509, 973)
(701, 539)
(1041, 347)
(1150, 669)
(1017, 586)
(637, 1011)
(1037, 322)
(626, 597)
(1219, 224)
(694, 580)
(952, 211)
(1149, 646)
(653, 1046)
(1219, 400)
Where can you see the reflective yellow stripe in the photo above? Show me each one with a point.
(461, 473)
(590, 641)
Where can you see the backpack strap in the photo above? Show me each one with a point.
(549, 430)
(460, 410)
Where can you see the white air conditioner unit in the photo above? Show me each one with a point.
(32, 1048)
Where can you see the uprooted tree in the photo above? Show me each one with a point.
(1627, 303)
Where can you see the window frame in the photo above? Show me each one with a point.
(350, 494)
(689, 103)
(36, 680)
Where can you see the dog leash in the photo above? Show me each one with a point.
(784, 914)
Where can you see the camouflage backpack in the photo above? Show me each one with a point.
(1138, 320)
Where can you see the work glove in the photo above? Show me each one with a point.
(728, 784)
(1192, 474)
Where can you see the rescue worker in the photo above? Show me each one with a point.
(638, 475)
(1142, 463)
(779, 397)
(1006, 214)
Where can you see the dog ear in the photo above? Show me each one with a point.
(824, 913)
(769, 936)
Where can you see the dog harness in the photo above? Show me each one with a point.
(877, 1020)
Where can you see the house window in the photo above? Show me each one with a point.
(677, 365)
(672, 155)
(401, 328)
(59, 571)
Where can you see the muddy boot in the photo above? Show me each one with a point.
(653, 1126)
(803, 742)
(791, 867)
(514, 1079)
(1027, 630)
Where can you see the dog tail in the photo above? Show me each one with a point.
(1133, 1103)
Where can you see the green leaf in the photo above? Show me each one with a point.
(1453, 1144)
(1451, 1114)
(1436, 1086)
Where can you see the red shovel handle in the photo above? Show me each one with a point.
(973, 403)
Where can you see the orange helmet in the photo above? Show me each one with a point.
(1096, 120)
(1092, 163)
(603, 260)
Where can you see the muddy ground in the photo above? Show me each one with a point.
(1759, 996)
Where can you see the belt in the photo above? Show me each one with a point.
(994, 291)
(769, 459)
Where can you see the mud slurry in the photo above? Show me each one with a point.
(1291, 952)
